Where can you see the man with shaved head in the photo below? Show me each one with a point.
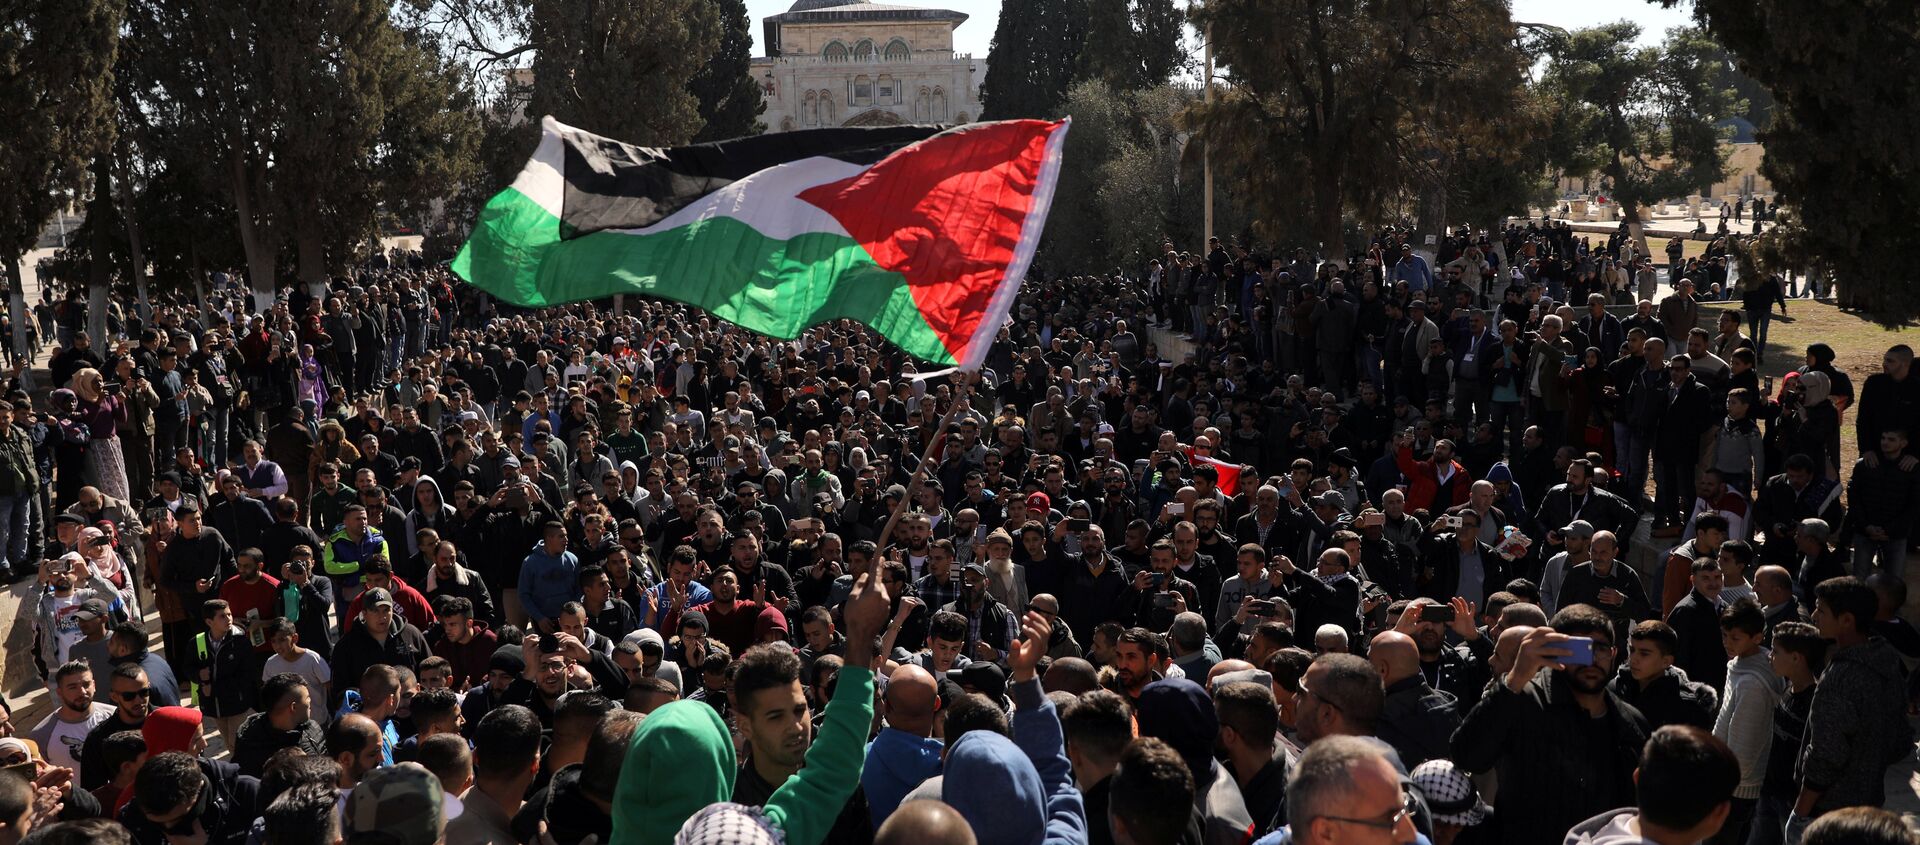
(905, 753)
(1071, 675)
(1507, 646)
(1225, 666)
(1773, 588)
(1417, 721)
(1063, 644)
(925, 823)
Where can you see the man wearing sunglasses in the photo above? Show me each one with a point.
(132, 698)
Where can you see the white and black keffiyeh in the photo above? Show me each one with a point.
(728, 823)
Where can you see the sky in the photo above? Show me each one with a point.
(974, 35)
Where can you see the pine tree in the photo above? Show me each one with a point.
(619, 67)
(1035, 52)
(1644, 117)
(308, 118)
(1839, 148)
(1158, 27)
(56, 63)
(1333, 106)
(730, 102)
(1111, 55)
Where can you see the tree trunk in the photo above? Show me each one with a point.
(1629, 207)
(260, 255)
(1326, 210)
(199, 276)
(1433, 217)
(311, 251)
(17, 305)
(99, 268)
(136, 254)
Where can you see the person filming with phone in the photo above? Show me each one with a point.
(1160, 593)
(1564, 745)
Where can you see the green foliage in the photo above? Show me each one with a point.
(1159, 27)
(1109, 56)
(729, 99)
(308, 120)
(1139, 177)
(1840, 149)
(1495, 164)
(1036, 50)
(619, 68)
(1336, 110)
(56, 102)
(1042, 47)
(1644, 117)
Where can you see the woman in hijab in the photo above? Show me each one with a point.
(102, 413)
(313, 382)
(70, 439)
(1820, 359)
(96, 546)
(1813, 426)
(332, 446)
(1587, 422)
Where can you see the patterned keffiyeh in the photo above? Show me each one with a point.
(728, 823)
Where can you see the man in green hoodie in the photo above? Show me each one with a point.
(681, 759)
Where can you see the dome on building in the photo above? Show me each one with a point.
(1744, 131)
(810, 5)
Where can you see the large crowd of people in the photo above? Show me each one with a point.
(1393, 547)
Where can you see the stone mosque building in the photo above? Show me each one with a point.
(855, 63)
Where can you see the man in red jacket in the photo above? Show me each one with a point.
(1434, 485)
(406, 600)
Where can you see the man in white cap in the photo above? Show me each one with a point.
(1578, 540)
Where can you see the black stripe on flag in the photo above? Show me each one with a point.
(616, 185)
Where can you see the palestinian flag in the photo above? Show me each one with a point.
(921, 233)
(1229, 482)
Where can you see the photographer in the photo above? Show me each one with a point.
(1564, 746)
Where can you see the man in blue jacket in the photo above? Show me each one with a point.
(1019, 790)
(905, 753)
(549, 578)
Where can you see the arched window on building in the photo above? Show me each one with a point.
(862, 90)
(810, 110)
(898, 51)
(886, 91)
(939, 109)
(829, 116)
(863, 51)
(835, 52)
(922, 104)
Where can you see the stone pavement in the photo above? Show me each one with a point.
(1660, 228)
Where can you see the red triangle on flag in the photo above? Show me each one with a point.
(1229, 473)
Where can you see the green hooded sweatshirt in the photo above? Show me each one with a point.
(681, 760)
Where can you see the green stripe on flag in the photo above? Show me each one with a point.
(775, 287)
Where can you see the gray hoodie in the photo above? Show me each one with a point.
(1613, 827)
(1745, 721)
